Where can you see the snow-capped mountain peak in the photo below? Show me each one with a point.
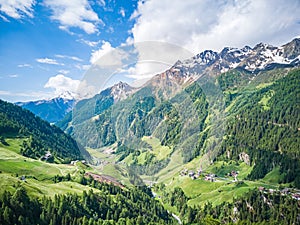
(207, 57)
(251, 59)
(67, 95)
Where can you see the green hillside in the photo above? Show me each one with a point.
(36, 192)
(264, 124)
(39, 137)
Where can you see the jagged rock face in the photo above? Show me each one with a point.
(211, 63)
(121, 91)
(292, 50)
(251, 59)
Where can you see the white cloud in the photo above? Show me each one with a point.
(75, 58)
(48, 61)
(24, 65)
(61, 84)
(82, 67)
(4, 18)
(5, 92)
(101, 2)
(138, 62)
(64, 71)
(108, 56)
(198, 25)
(17, 8)
(75, 13)
(122, 12)
(153, 58)
(89, 43)
(104, 49)
(14, 76)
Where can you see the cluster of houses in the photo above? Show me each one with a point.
(196, 174)
(208, 177)
(191, 173)
(295, 193)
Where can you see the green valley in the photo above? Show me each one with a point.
(212, 140)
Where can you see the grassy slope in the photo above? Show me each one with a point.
(224, 189)
(160, 152)
(39, 174)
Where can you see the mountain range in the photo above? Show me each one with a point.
(262, 57)
(215, 137)
(248, 62)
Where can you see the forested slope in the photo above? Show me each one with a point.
(41, 137)
(265, 125)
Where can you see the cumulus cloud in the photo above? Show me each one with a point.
(17, 8)
(61, 84)
(198, 25)
(48, 61)
(75, 13)
(139, 61)
(104, 49)
(154, 58)
(108, 56)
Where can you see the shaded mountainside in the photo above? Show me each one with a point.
(50, 110)
(142, 114)
(41, 137)
(87, 108)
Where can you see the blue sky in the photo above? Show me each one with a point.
(46, 46)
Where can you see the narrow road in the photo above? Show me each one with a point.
(177, 218)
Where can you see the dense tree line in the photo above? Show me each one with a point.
(112, 205)
(232, 79)
(15, 121)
